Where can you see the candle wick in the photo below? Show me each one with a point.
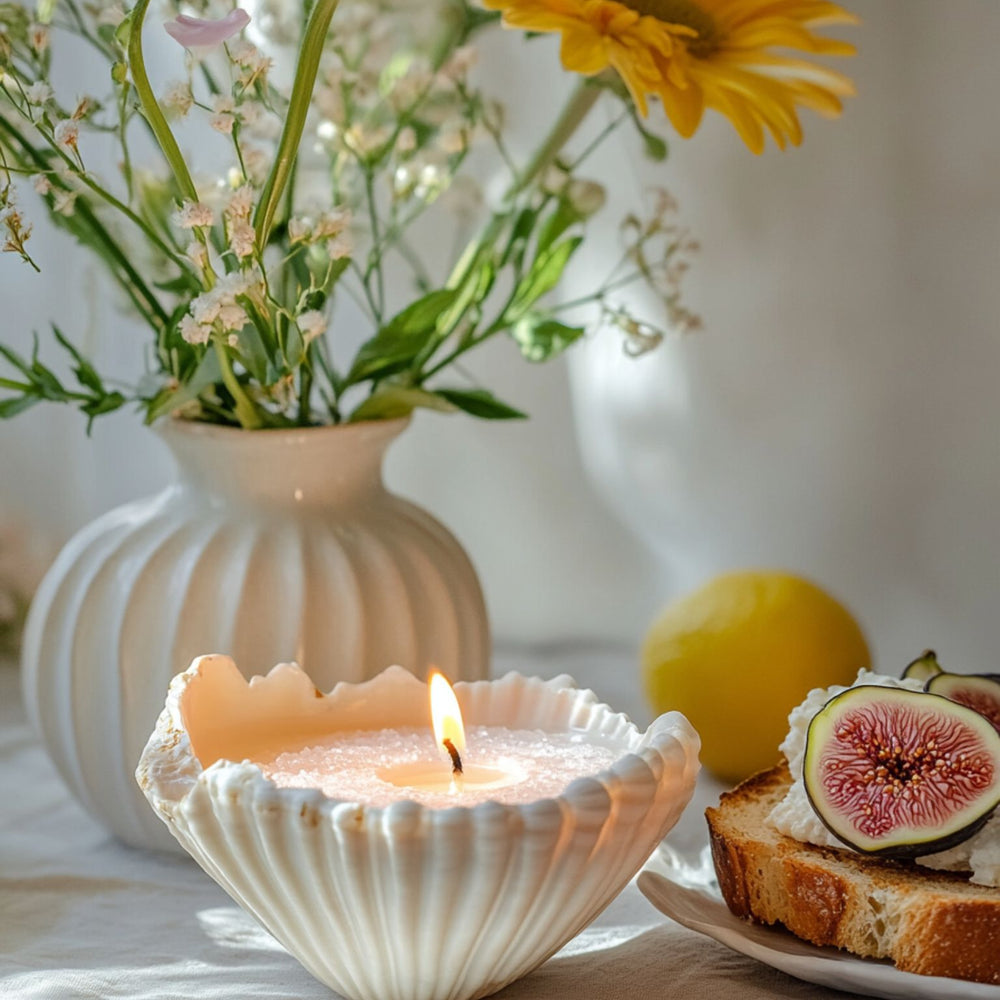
(456, 760)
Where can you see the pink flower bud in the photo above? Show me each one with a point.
(195, 32)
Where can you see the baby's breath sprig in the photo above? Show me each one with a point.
(307, 187)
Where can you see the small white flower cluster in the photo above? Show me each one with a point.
(423, 177)
(39, 93)
(177, 99)
(64, 202)
(331, 230)
(64, 196)
(224, 114)
(195, 215)
(312, 324)
(219, 311)
(585, 197)
(382, 103)
(67, 133)
(238, 228)
(254, 65)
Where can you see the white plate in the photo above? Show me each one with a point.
(689, 894)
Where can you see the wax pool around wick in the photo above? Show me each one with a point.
(379, 767)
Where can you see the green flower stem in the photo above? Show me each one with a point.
(151, 107)
(246, 412)
(305, 391)
(575, 111)
(579, 104)
(157, 120)
(310, 52)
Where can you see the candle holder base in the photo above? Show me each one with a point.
(408, 902)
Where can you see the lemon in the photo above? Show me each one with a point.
(737, 655)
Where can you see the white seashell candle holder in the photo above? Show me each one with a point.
(449, 900)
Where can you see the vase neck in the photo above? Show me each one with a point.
(311, 467)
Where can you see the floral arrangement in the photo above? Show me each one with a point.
(321, 176)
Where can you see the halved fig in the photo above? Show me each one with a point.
(980, 692)
(901, 773)
(924, 667)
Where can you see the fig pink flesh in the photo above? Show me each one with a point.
(979, 701)
(880, 763)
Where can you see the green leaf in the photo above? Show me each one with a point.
(179, 285)
(104, 404)
(541, 338)
(207, 373)
(295, 346)
(12, 407)
(564, 216)
(83, 369)
(253, 353)
(15, 359)
(546, 270)
(399, 401)
(471, 295)
(481, 403)
(123, 33)
(420, 316)
(402, 338)
(46, 380)
(520, 234)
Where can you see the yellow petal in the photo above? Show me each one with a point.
(583, 51)
(754, 65)
(684, 108)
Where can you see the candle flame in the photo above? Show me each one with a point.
(446, 716)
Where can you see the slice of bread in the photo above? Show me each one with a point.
(933, 923)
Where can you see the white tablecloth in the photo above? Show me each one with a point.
(83, 916)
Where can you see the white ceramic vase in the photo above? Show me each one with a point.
(270, 546)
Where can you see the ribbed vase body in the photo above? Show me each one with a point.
(271, 546)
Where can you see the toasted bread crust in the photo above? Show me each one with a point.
(933, 923)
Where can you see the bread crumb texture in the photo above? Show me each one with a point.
(928, 922)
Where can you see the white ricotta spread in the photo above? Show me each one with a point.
(795, 817)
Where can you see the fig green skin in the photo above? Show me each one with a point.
(924, 667)
(906, 850)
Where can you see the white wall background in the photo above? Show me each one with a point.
(837, 416)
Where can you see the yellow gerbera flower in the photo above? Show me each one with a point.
(694, 54)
